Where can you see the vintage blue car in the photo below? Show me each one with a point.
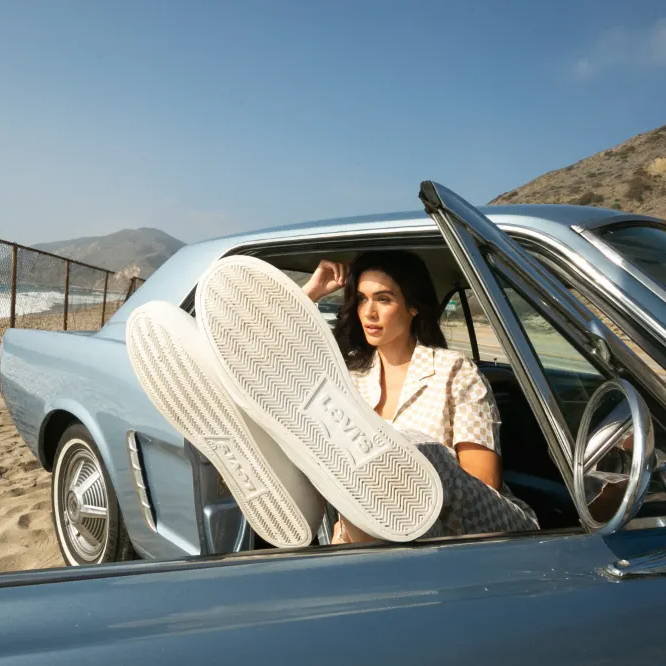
(582, 437)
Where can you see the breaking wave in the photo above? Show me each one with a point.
(45, 300)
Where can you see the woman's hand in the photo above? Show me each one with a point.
(329, 276)
(345, 532)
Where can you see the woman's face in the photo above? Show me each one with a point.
(382, 309)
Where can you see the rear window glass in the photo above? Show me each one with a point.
(644, 247)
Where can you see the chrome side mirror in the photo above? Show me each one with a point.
(614, 457)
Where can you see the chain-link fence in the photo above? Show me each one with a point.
(42, 290)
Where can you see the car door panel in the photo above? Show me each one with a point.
(524, 600)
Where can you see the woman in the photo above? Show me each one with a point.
(389, 335)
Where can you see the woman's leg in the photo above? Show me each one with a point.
(470, 506)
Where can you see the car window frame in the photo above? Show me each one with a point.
(473, 239)
(630, 320)
(629, 327)
(364, 239)
(646, 331)
(594, 236)
(423, 236)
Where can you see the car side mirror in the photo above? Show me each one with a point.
(614, 457)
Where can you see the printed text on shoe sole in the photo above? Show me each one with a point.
(237, 465)
(338, 417)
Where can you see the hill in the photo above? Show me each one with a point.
(630, 176)
(135, 252)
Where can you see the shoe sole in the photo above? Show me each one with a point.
(177, 378)
(282, 365)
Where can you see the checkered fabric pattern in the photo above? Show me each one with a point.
(470, 506)
(444, 395)
(446, 400)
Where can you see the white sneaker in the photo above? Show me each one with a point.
(176, 368)
(281, 364)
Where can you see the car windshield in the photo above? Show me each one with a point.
(642, 246)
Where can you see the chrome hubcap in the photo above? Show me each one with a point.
(85, 506)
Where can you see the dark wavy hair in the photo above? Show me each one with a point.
(410, 273)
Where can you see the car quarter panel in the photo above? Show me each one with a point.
(91, 378)
(536, 599)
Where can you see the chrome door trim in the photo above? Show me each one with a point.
(139, 480)
(651, 564)
(620, 261)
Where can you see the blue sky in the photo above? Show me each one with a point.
(202, 118)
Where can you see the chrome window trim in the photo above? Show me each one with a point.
(244, 537)
(620, 261)
(618, 218)
(585, 269)
(139, 480)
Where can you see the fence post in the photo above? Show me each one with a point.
(12, 295)
(66, 294)
(129, 290)
(106, 286)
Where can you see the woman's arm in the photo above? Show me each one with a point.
(480, 462)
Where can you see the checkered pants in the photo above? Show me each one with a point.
(470, 506)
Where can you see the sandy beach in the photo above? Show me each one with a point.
(27, 537)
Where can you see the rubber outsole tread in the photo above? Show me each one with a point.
(168, 374)
(272, 348)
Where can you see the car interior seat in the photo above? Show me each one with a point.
(528, 468)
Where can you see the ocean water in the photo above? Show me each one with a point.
(31, 300)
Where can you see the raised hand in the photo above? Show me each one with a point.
(329, 276)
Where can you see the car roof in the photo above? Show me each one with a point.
(542, 216)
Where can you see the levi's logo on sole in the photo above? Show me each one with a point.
(338, 417)
(223, 447)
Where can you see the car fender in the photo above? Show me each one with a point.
(82, 414)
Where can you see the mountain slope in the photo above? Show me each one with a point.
(631, 176)
(135, 251)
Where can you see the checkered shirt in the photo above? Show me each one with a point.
(444, 396)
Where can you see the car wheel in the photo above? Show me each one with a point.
(87, 518)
